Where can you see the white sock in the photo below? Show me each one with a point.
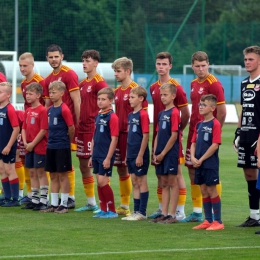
(254, 213)
(92, 201)
(64, 199)
(55, 199)
(21, 193)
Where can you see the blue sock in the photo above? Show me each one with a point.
(143, 202)
(216, 205)
(6, 187)
(136, 205)
(207, 209)
(14, 185)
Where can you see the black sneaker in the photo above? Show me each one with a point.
(71, 203)
(40, 206)
(158, 218)
(29, 205)
(250, 222)
(61, 210)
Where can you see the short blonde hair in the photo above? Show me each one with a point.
(139, 91)
(123, 63)
(252, 49)
(8, 86)
(199, 56)
(35, 87)
(58, 85)
(27, 55)
(108, 91)
(172, 88)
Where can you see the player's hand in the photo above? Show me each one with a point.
(29, 147)
(90, 162)
(6, 150)
(139, 161)
(258, 164)
(106, 163)
(236, 139)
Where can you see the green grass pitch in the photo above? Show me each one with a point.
(34, 235)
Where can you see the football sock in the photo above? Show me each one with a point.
(207, 206)
(216, 205)
(44, 192)
(108, 181)
(125, 184)
(136, 205)
(71, 175)
(102, 200)
(35, 196)
(64, 199)
(219, 189)
(48, 177)
(6, 187)
(143, 202)
(88, 184)
(27, 181)
(253, 195)
(55, 199)
(20, 173)
(14, 186)
(182, 200)
(254, 213)
(109, 197)
(159, 196)
(196, 198)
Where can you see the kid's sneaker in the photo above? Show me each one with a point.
(203, 225)
(109, 214)
(216, 226)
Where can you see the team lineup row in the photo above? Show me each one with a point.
(81, 100)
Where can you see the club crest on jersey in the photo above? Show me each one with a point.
(125, 97)
(89, 88)
(200, 90)
(257, 87)
(250, 85)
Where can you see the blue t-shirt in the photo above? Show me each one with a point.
(59, 119)
(8, 120)
(205, 135)
(168, 122)
(138, 124)
(106, 125)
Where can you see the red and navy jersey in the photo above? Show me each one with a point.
(36, 119)
(89, 108)
(106, 125)
(179, 101)
(122, 104)
(20, 116)
(70, 79)
(8, 120)
(168, 122)
(36, 78)
(205, 134)
(250, 101)
(60, 118)
(138, 124)
(2, 77)
(211, 85)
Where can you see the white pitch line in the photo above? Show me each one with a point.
(133, 252)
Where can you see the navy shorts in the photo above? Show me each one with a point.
(206, 176)
(10, 158)
(169, 165)
(34, 160)
(246, 156)
(58, 160)
(138, 171)
(98, 168)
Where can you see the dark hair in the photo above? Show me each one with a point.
(35, 87)
(52, 48)
(210, 97)
(164, 55)
(199, 56)
(91, 54)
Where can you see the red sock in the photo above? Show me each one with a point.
(109, 197)
(102, 201)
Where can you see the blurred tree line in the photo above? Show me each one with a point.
(222, 28)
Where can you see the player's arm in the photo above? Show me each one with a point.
(139, 158)
(91, 152)
(237, 135)
(47, 102)
(211, 150)
(258, 152)
(154, 147)
(36, 140)
(194, 160)
(71, 132)
(24, 137)
(75, 96)
(221, 113)
(168, 146)
(13, 138)
(185, 115)
(111, 150)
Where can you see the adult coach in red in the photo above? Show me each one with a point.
(71, 98)
(163, 66)
(89, 88)
(205, 83)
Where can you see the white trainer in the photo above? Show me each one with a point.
(179, 215)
